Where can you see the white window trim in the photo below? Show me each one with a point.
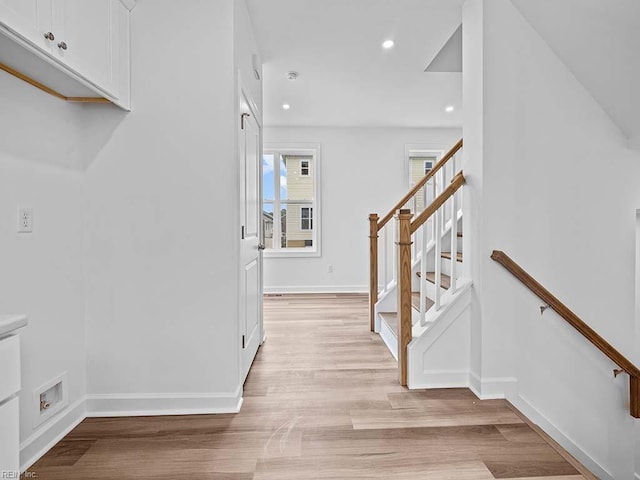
(414, 150)
(301, 149)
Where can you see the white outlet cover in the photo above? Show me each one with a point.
(25, 220)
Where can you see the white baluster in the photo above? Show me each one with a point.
(438, 256)
(423, 276)
(454, 243)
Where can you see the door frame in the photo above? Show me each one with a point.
(245, 102)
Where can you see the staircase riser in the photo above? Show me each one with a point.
(446, 267)
(431, 290)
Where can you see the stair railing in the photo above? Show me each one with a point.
(383, 263)
(576, 322)
(407, 228)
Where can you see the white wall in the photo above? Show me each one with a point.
(162, 266)
(41, 273)
(363, 171)
(556, 189)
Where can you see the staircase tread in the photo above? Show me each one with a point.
(445, 280)
(448, 255)
(391, 319)
(415, 301)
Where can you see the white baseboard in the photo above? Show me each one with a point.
(317, 289)
(122, 405)
(442, 379)
(490, 388)
(50, 433)
(565, 442)
(139, 405)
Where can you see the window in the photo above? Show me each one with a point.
(291, 207)
(419, 166)
(306, 218)
(304, 168)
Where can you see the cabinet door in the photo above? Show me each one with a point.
(30, 19)
(84, 38)
(9, 439)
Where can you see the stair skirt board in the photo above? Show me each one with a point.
(439, 354)
(389, 337)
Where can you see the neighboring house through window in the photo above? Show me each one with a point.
(420, 160)
(290, 177)
(306, 218)
(304, 168)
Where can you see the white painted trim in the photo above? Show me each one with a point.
(317, 289)
(389, 338)
(129, 4)
(491, 388)
(442, 379)
(565, 442)
(139, 405)
(54, 430)
(315, 150)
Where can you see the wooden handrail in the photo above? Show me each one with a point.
(575, 321)
(447, 193)
(416, 188)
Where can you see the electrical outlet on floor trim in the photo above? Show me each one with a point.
(25, 220)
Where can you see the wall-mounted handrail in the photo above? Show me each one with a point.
(577, 323)
(416, 188)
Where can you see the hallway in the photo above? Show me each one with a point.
(321, 401)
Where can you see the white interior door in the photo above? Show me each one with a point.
(251, 256)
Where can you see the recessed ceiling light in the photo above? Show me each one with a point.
(387, 44)
(286, 106)
(449, 109)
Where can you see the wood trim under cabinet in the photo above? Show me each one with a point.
(50, 91)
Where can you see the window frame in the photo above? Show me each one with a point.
(295, 149)
(303, 167)
(421, 150)
(309, 219)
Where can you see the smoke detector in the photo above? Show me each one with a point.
(292, 75)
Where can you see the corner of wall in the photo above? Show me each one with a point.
(54, 430)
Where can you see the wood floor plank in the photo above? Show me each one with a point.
(322, 401)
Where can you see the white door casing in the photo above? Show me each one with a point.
(250, 254)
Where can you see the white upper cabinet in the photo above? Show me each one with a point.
(28, 18)
(83, 38)
(86, 39)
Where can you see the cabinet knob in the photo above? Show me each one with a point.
(49, 36)
(62, 45)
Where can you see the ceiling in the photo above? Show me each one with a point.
(599, 41)
(345, 76)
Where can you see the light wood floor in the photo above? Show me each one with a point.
(321, 402)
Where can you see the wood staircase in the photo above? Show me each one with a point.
(423, 293)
